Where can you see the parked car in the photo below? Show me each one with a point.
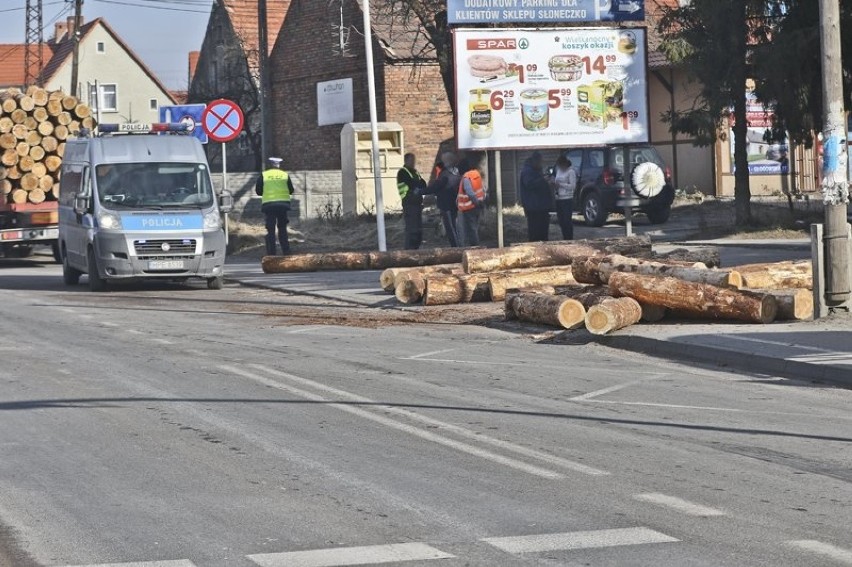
(604, 188)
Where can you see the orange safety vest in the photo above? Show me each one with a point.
(463, 201)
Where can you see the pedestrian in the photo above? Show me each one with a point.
(565, 183)
(445, 187)
(411, 188)
(275, 187)
(470, 201)
(536, 198)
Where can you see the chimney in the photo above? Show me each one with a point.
(59, 31)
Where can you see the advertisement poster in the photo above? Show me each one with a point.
(334, 102)
(764, 158)
(534, 12)
(520, 88)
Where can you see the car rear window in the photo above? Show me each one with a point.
(636, 156)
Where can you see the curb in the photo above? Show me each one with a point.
(751, 362)
(744, 244)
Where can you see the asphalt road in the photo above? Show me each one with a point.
(172, 426)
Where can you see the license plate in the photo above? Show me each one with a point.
(165, 265)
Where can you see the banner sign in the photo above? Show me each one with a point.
(521, 88)
(335, 102)
(544, 11)
(764, 157)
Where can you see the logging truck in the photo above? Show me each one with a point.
(137, 203)
(25, 225)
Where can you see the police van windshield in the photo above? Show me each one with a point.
(154, 185)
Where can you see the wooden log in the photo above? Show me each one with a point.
(18, 116)
(64, 118)
(499, 283)
(40, 115)
(653, 313)
(415, 258)
(3, 173)
(543, 255)
(40, 96)
(37, 153)
(29, 182)
(23, 149)
(45, 128)
(613, 314)
(69, 102)
(793, 304)
(39, 169)
(5, 186)
(54, 107)
(49, 143)
(19, 196)
(448, 289)
(8, 141)
(13, 172)
(25, 102)
(45, 183)
(9, 104)
(10, 158)
(388, 277)
(411, 288)
(60, 132)
(707, 255)
(780, 275)
(74, 127)
(52, 163)
(60, 149)
(315, 262)
(6, 124)
(552, 310)
(36, 196)
(598, 270)
(55, 190)
(33, 138)
(30, 123)
(82, 111)
(690, 297)
(20, 131)
(89, 123)
(55, 95)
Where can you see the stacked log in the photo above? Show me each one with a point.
(598, 269)
(33, 128)
(392, 277)
(779, 275)
(361, 260)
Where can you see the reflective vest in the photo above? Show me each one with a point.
(402, 184)
(276, 186)
(463, 201)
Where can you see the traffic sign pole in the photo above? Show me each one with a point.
(374, 129)
(223, 121)
(225, 183)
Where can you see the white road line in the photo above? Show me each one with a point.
(425, 354)
(367, 555)
(411, 430)
(134, 332)
(679, 505)
(605, 391)
(178, 563)
(579, 540)
(678, 406)
(458, 430)
(781, 343)
(833, 552)
(304, 330)
(452, 361)
(163, 341)
(108, 324)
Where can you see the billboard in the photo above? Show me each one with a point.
(334, 102)
(765, 156)
(553, 11)
(523, 88)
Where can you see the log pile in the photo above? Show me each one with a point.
(34, 126)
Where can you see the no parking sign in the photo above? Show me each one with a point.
(222, 120)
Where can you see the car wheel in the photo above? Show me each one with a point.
(96, 282)
(659, 215)
(593, 210)
(57, 253)
(215, 283)
(69, 274)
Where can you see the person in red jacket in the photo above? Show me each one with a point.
(470, 201)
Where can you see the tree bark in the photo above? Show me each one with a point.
(315, 262)
(551, 310)
(389, 278)
(598, 270)
(499, 283)
(742, 189)
(709, 256)
(695, 298)
(613, 314)
(415, 258)
(793, 304)
(783, 275)
(543, 255)
(460, 288)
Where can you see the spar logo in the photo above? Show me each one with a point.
(524, 43)
(487, 44)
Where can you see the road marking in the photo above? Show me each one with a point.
(453, 361)
(108, 324)
(134, 332)
(783, 344)
(178, 563)
(411, 430)
(431, 353)
(677, 406)
(163, 341)
(458, 430)
(368, 555)
(605, 391)
(679, 505)
(825, 549)
(579, 540)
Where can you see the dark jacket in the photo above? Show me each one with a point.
(536, 194)
(445, 188)
(415, 185)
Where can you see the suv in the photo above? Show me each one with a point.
(603, 187)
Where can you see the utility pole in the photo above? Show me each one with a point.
(374, 126)
(263, 62)
(75, 58)
(835, 184)
(34, 43)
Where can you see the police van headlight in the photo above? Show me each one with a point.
(212, 221)
(109, 221)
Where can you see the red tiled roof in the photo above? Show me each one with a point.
(11, 65)
(193, 64)
(243, 16)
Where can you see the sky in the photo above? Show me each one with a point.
(161, 32)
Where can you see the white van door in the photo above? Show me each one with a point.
(76, 177)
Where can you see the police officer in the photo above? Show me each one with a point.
(411, 188)
(275, 187)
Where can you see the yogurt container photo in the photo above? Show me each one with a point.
(535, 111)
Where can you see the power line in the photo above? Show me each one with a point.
(24, 8)
(153, 7)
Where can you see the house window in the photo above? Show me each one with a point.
(152, 104)
(108, 98)
(101, 47)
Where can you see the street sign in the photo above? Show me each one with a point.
(189, 114)
(557, 11)
(222, 120)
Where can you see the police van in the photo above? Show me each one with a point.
(137, 202)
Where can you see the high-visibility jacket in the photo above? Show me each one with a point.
(407, 181)
(463, 201)
(276, 186)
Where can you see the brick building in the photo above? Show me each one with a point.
(323, 41)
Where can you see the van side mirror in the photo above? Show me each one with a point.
(226, 202)
(81, 205)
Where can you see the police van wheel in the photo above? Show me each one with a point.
(96, 282)
(215, 283)
(70, 275)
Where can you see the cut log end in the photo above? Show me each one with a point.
(612, 315)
